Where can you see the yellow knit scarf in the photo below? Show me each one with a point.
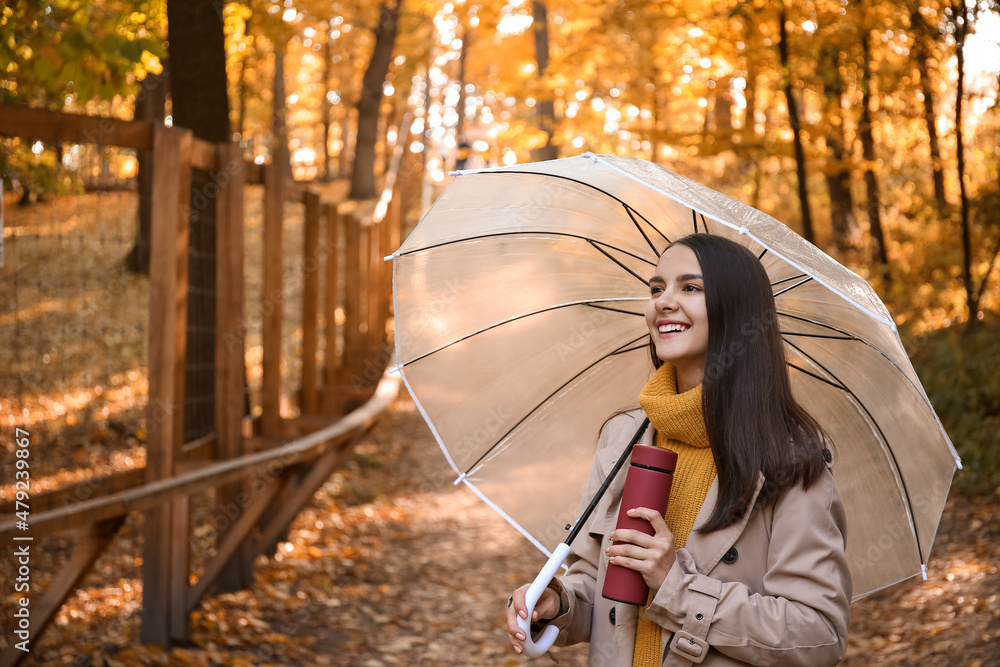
(680, 427)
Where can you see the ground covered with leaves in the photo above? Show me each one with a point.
(392, 564)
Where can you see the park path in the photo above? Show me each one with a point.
(434, 564)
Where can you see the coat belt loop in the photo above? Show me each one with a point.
(688, 646)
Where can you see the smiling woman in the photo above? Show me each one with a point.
(750, 482)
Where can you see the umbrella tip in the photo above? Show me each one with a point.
(923, 571)
(592, 156)
(391, 257)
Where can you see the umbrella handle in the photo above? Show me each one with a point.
(534, 649)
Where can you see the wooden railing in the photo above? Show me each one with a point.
(292, 455)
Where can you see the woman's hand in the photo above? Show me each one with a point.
(650, 555)
(547, 607)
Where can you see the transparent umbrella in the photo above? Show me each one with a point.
(519, 302)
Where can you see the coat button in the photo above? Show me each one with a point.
(699, 616)
(730, 556)
(611, 616)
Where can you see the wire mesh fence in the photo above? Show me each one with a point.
(73, 332)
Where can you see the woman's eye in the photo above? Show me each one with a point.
(692, 288)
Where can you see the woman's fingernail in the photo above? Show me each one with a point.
(517, 649)
(523, 613)
(520, 636)
(631, 512)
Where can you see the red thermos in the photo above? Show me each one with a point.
(647, 484)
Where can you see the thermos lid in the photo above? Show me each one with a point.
(654, 457)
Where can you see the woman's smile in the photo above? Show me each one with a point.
(672, 327)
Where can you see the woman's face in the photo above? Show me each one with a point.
(677, 316)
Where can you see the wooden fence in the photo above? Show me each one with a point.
(341, 392)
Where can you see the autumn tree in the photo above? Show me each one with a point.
(57, 57)
(795, 120)
(370, 100)
(924, 46)
(834, 38)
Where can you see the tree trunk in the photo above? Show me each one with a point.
(921, 51)
(722, 108)
(462, 96)
(327, 105)
(279, 115)
(370, 102)
(241, 113)
(838, 178)
(960, 20)
(750, 145)
(344, 156)
(545, 105)
(426, 184)
(150, 105)
(868, 152)
(793, 119)
(200, 102)
(659, 108)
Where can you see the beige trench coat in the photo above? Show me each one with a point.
(771, 589)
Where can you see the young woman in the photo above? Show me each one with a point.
(747, 566)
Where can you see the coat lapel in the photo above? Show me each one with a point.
(708, 548)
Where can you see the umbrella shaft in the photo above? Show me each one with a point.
(607, 483)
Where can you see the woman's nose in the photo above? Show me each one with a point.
(665, 301)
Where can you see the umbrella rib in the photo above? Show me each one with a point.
(694, 215)
(616, 310)
(641, 231)
(814, 375)
(656, 229)
(643, 346)
(791, 287)
(852, 337)
(508, 321)
(522, 233)
(761, 255)
(545, 400)
(597, 246)
(881, 435)
(785, 280)
(807, 335)
(592, 187)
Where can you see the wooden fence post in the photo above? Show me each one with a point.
(167, 297)
(331, 360)
(272, 297)
(309, 403)
(390, 228)
(230, 333)
(373, 293)
(354, 285)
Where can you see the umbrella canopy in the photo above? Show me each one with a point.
(519, 303)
